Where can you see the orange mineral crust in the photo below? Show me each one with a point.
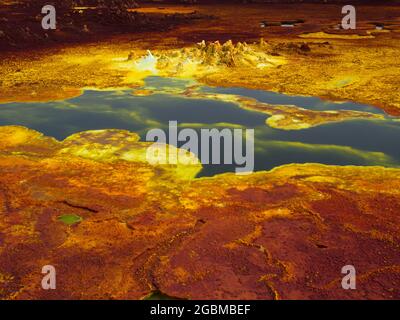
(114, 226)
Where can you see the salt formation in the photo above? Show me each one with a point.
(214, 54)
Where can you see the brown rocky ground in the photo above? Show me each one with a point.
(282, 234)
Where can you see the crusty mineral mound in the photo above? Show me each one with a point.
(214, 54)
(119, 228)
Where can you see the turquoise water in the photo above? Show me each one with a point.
(351, 142)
